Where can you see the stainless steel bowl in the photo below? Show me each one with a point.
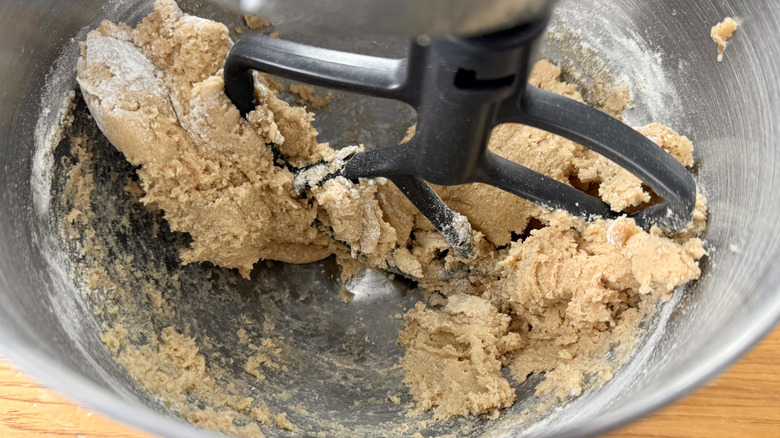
(662, 48)
(407, 17)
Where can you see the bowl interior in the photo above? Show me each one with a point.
(340, 367)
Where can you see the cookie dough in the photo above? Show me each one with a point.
(543, 293)
(722, 33)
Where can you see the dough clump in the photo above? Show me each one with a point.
(722, 33)
(543, 293)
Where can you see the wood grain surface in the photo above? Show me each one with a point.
(745, 401)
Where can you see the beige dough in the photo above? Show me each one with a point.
(308, 98)
(256, 22)
(555, 301)
(722, 33)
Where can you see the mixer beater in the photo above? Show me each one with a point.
(461, 88)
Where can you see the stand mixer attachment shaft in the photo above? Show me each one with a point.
(461, 89)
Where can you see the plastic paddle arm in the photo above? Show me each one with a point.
(616, 141)
(369, 75)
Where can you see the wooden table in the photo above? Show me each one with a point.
(745, 401)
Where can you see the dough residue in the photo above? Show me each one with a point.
(722, 33)
(542, 293)
(306, 96)
(256, 22)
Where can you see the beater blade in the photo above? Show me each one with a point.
(461, 89)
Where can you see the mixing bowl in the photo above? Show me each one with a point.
(660, 48)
